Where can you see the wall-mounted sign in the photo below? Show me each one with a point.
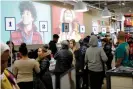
(43, 25)
(118, 30)
(65, 27)
(112, 30)
(104, 30)
(95, 29)
(82, 29)
(10, 23)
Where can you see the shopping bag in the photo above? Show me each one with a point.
(52, 64)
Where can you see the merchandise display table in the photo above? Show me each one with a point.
(120, 78)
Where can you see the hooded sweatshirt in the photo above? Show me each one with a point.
(94, 55)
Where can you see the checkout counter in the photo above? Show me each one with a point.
(120, 78)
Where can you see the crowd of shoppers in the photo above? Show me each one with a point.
(91, 58)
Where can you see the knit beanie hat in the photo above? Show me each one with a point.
(4, 47)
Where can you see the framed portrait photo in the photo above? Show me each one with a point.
(82, 29)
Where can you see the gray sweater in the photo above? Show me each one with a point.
(94, 55)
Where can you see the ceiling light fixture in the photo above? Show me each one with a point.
(120, 17)
(80, 7)
(130, 10)
(106, 13)
(123, 4)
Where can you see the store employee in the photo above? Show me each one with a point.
(122, 52)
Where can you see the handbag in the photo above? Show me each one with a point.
(52, 63)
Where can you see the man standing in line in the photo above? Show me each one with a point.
(122, 51)
(52, 44)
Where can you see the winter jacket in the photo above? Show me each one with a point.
(44, 79)
(63, 60)
(52, 47)
(108, 49)
(95, 55)
(8, 80)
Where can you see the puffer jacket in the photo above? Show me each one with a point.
(63, 60)
(44, 79)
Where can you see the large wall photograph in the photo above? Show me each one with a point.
(32, 22)
(63, 15)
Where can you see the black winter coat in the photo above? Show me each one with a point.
(108, 49)
(43, 80)
(63, 59)
(52, 47)
(79, 60)
(45, 75)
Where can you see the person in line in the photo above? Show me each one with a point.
(77, 62)
(52, 44)
(46, 46)
(14, 53)
(99, 41)
(122, 52)
(83, 47)
(26, 29)
(73, 48)
(44, 74)
(130, 43)
(95, 56)
(63, 59)
(108, 50)
(7, 79)
(23, 69)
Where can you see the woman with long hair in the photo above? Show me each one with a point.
(44, 74)
(73, 48)
(23, 69)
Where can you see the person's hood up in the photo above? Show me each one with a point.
(92, 33)
(93, 41)
(3, 47)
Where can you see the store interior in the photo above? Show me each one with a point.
(101, 17)
(52, 12)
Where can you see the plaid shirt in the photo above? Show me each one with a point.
(17, 37)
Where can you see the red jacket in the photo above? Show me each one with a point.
(17, 39)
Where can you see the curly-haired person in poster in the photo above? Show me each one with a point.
(26, 29)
